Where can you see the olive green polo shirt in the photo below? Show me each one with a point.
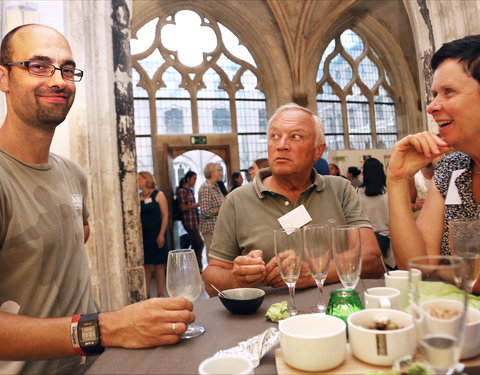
(250, 213)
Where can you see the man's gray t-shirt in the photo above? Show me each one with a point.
(250, 213)
(43, 264)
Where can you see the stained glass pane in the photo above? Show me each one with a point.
(352, 43)
(174, 116)
(251, 147)
(368, 72)
(383, 96)
(152, 62)
(212, 81)
(189, 37)
(361, 142)
(138, 92)
(328, 51)
(234, 47)
(172, 79)
(144, 154)
(141, 109)
(145, 37)
(251, 116)
(335, 142)
(385, 118)
(249, 83)
(214, 116)
(228, 66)
(340, 70)
(327, 93)
(386, 140)
(331, 115)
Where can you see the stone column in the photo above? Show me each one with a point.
(100, 129)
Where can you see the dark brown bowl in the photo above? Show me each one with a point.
(242, 301)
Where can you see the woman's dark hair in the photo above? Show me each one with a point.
(184, 179)
(374, 179)
(466, 50)
(354, 171)
(233, 180)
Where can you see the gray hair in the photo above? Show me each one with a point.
(209, 169)
(318, 124)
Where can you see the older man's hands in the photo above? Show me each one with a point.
(275, 280)
(249, 270)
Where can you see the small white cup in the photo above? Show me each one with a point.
(313, 342)
(234, 365)
(399, 280)
(471, 343)
(382, 298)
(450, 326)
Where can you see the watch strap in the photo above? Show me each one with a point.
(74, 335)
(97, 348)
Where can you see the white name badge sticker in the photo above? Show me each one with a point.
(295, 218)
(453, 196)
(148, 200)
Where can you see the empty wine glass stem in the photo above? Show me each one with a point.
(291, 307)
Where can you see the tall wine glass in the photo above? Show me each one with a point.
(438, 301)
(288, 251)
(317, 252)
(464, 237)
(347, 254)
(184, 280)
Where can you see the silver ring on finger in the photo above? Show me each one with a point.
(174, 328)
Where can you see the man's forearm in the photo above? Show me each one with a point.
(26, 338)
(221, 277)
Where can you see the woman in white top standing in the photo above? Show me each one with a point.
(373, 197)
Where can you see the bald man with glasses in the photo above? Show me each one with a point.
(44, 224)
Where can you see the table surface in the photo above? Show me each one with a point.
(223, 330)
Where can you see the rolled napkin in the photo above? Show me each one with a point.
(254, 348)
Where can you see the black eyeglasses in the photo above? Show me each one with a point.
(43, 69)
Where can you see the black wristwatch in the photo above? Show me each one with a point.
(89, 336)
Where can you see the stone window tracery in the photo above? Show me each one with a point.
(192, 76)
(355, 98)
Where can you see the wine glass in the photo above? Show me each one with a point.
(184, 280)
(317, 252)
(288, 251)
(464, 235)
(438, 301)
(347, 254)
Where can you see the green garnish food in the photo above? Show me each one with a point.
(277, 311)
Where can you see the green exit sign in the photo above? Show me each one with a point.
(198, 140)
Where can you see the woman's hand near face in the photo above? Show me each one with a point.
(413, 152)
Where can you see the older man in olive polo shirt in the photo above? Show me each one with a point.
(242, 254)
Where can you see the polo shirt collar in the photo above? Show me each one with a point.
(260, 189)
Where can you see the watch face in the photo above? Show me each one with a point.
(89, 333)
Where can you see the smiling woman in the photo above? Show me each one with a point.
(456, 192)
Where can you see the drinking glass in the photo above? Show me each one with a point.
(438, 302)
(317, 252)
(184, 280)
(347, 254)
(288, 251)
(464, 235)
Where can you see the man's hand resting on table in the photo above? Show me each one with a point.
(146, 324)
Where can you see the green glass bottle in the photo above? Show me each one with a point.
(343, 302)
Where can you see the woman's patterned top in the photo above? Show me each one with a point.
(458, 165)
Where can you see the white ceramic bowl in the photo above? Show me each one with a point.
(381, 348)
(313, 342)
(471, 343)
(233, 365)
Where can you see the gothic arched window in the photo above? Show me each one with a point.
(190, 76)
(355, 98)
